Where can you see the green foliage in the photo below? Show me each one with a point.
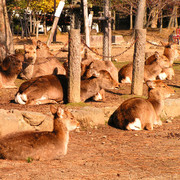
(120, 64)
(80, 104)
(29, 159)
(44, 6)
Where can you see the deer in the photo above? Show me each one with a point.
(53, 88)
(10, 69)
(151, 71)
(39, 61)
(172, 53)
(42, 145)
(138, 113)
(99, 65)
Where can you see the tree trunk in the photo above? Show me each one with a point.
(86, 22)
(173, 19)
(6, 39)
(154, 17)
(74, 64)
(131, 18)
(107, 32)
(139, 51)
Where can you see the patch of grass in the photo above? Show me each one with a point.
(176, 66)
(29, 159)
(80, 104)
(120, 64)
(132, 96)
(18, 82)
(177, 89)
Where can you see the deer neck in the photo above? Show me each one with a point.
(7, 77)
(156, 100)
(62, 134)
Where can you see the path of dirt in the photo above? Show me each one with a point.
(105, 152)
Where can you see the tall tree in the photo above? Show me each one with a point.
(139, 50)
(6, 39)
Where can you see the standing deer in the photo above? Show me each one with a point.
(40, 145)
(139, 113)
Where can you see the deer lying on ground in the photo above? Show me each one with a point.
(39, 61)
(138, 113)
(172, 53)
(9, 70)
(151, 71)
(99, 65)
(40, 145)
(53, 88)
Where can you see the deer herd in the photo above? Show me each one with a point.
(46, 82)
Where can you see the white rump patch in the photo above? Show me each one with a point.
(162, 76)
(126, 80)
(97, 97)
(21, 98)
(136, 125)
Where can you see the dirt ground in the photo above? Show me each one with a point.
(105, 152)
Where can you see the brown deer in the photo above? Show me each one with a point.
(53, 88)
(172, 53)
(139, 113)
(151, 71)
(9, 70)
(40, 145)
(39, 61)
(99, 65)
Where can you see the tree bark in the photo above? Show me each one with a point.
(173, 19)
(6, 38)
(74, 64)
(139, 51)
(86, 22)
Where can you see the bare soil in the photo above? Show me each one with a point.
(105, 152)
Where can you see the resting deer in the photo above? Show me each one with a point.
(53, 88)
(151, 71)
(99, 65)
(172, 53)
(39, 61)
(9, 70)
(40, 145)
(139, 113)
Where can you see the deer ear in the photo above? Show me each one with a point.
(164, 43)
(5, 64)
(91, 65)
(151, 84)
(156, 55)
(60, 112)
(34, 42)
(53, 109)
(39, 44)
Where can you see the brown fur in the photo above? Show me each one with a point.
(89, 71)
(99, 65)
(146, 110)
(172, 53)
(40, 145)
(90, 87)
(42, 90)
(52, 88)
(39, 61)
(9, 70)
(151, 71)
